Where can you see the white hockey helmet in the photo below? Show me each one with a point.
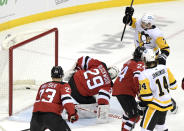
(149, 55)
(147, 18)
(113, 72)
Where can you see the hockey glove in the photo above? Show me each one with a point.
(162, 59)
(128, 15)
(182, 84)
(132, 113)
(141, 107)
(127, 20)
(175, 107)
(129, 11)
(73, 117)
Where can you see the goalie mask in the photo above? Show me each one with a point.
(113, 72)
(57, 72)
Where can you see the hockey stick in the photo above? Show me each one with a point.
(110, 114)
(126, 22)
(26, 129)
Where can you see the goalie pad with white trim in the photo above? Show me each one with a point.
(102, 114)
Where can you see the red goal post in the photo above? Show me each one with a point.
(13, 48)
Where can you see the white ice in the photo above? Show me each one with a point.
(97, 34)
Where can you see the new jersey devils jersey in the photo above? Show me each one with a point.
(94, 81)
(86, 62)
(54, 97)
(127, 81)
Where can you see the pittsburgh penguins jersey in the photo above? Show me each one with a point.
(154, 87)
(150, 38)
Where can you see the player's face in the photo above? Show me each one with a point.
(145, 25)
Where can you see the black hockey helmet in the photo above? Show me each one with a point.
(138, 53)
(57, 72)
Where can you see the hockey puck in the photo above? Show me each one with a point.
(28, 88)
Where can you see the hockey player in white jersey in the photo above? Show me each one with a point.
(149, 36)
(155, 84)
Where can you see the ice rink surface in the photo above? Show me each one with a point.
(97, 34)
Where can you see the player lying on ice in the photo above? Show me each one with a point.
(91, 84)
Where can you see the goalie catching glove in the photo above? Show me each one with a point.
(128, 15)
(73, 117)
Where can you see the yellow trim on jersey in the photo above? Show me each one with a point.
(162, 102)
(174, 88)
(172, 80)
(162, 44)
(159, 108)
(133, 22)
(148, 116)
(142, 98)
(145, 91)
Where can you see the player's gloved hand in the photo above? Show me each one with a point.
(162, 59)
(128, 15)
(175, 107)
(132, 113)
(73, 117)
(141, 107)
(127, 19)
(129, 11)
(182, 84)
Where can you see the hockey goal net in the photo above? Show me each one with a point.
(26, 62)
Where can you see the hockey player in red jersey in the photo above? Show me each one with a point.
(126, 87)
(92, 77)
(51, 99)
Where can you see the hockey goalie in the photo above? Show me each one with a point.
(91, 84)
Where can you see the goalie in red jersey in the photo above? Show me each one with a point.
(51, 99)
(92, 77)
(126, 87)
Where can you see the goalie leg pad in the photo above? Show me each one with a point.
(102, 114)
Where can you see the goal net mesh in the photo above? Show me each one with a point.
(27, 67)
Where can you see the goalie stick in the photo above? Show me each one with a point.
(126, 24)
(115, 116)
